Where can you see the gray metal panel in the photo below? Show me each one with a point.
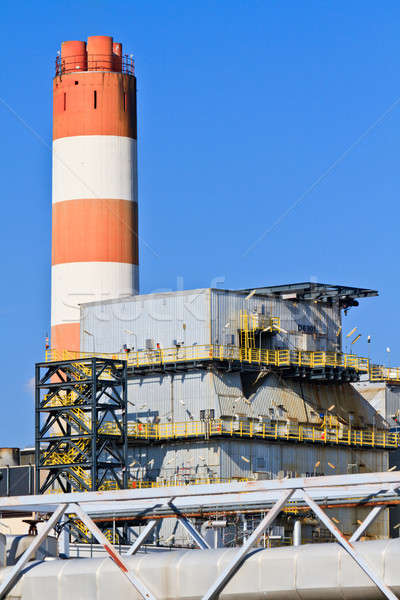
(225, 319)
(176, 462)
(228, 390)
(393, 405)
(171, 398)
(163, 318)
(185, 317)
(304, 401)
(240, 458)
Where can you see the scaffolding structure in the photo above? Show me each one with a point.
(81, 433)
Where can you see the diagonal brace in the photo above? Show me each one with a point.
(192, 531)
(141, 537)
(240, 556)
(114, 555)
(370, 518)
(12, 577)
(323, 517)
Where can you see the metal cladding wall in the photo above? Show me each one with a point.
(179, 397)
(233, 459)
(95, 221)
(325, 320)
(204, 316)
(160, 318)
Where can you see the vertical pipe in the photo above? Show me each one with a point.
(297, 533)
(63, 539)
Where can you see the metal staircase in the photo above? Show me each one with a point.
(81, 425)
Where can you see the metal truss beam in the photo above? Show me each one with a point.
(362, 563)
(240, 556)
(140, 587)
(142, 537)
(308, 491)
(13, 575)
(192, 531)
(370, 518)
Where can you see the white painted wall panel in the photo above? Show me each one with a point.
(75, 283)
(164, 318)
(94, 166)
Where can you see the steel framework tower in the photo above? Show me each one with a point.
(95, 221)
(81, 441)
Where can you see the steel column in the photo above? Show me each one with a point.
(227, 573)
(323, 517)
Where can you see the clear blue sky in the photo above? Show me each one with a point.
(242, 107)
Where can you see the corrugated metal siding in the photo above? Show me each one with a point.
(228, 390)
(296, 460)
(280, 399)
(225, 320)
(176, 462)
(185, 316)
(393, 405)
(163, 318)
(179, 397)
(182, 396)
(375, 395)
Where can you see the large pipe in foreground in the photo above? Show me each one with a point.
(299, 573)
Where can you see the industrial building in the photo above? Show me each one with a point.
(223, 385)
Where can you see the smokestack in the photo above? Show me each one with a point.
(95, 221)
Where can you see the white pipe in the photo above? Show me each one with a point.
(308, 571)
(297, 533)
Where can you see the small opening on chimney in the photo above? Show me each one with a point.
(65, 101)
(94, 99)
(76, 82)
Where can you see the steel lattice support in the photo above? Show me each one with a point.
(373, 488)
(81, 441)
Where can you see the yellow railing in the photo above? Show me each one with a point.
(380, 373)
(175, 482)
(294, 432)
(276, 358)
(302, 433)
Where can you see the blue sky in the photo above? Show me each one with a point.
(245, 108)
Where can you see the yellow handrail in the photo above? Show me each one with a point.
(277, 358)
(381, 373)
(300, 433)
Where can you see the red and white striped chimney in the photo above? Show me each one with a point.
(95, 218)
